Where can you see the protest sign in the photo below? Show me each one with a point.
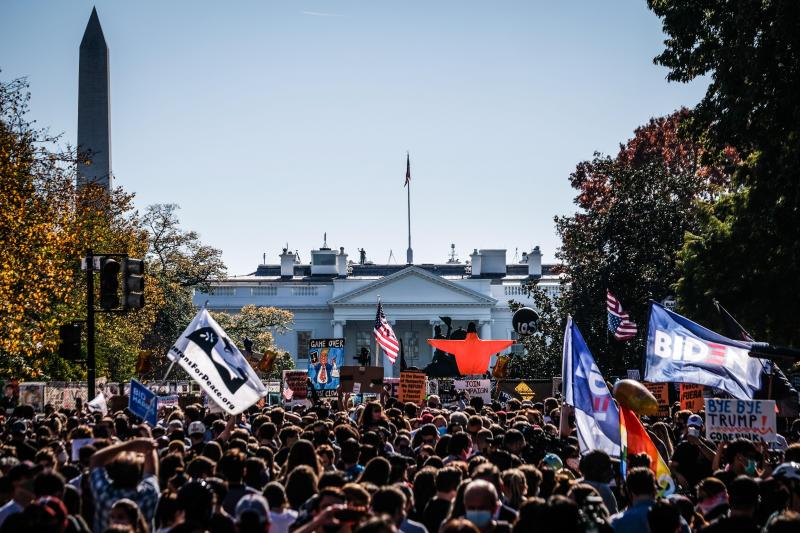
(325, 360)
(661, 393)
(412, 386)
(143, 402)
(633, 373)
(691, 397)
(727, 420)
(77, 444)
(475, 387)
(297, 382)
(394, 386)
(370, 377)
(33, 394)
(168, 401)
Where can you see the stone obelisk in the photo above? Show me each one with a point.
(94, 112)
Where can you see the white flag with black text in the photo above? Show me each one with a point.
(206, 353)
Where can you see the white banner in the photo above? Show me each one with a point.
(206, 353)
(475, 387)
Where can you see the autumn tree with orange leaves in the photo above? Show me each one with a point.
(46, 225)
(633, 212)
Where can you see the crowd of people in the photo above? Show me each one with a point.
(380, 467)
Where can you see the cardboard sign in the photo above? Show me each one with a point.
(33, 394)
(143, 402)
(661, 392)
(370, 377)
(727, 420)
(691, 397)
(325, 360)
(297, 382)
(412, 386)
(557, 387)
(475, 387)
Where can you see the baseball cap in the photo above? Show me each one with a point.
(427, 418)
(197, 427)
(175, 425)
(253, 503)
(553, 461)
(695, 421)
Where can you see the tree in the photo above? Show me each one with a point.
(745, 251)
(46, 226)
(633, 212)
(259, 324)
(178, 263)
(543, 348)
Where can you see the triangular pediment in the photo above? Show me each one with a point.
(413, 286)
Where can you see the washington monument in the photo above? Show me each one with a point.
(94, 113)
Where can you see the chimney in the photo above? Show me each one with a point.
(493, 263)
(341, 263)
(287, 264)
(475, 259)
(535, 263)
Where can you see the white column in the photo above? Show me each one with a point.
(485, 333)
(486, 329)
(433, 324)
(338, 328)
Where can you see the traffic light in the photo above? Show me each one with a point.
(133, 283)
(69, 346)
(109, 283)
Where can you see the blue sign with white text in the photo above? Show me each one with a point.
(143, 402)
(681, 351)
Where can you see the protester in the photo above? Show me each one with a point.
(338, 465)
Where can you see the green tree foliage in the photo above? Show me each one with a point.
(633, 212)
(543, 349)
(745, 252)
(259, 324)
(179, 263)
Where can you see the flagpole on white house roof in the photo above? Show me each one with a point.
(409, 252)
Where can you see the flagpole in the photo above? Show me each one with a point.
(409, 252)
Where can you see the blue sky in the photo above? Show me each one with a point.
(273, 122)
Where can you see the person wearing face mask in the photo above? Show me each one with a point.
(481, 502)
(743, 499)
(741, 459)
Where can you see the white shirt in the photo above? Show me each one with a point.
(279, 522)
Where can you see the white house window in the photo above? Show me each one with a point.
(411, 347)
(302, 344)
(264, 290)
(222, 291)
(305, 290)
(364, 340)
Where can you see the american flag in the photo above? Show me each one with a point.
(408, 170)
(384, 335)
(619, 322)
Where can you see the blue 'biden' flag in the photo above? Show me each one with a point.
(681, 351)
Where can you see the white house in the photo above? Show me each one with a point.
(335, 298)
